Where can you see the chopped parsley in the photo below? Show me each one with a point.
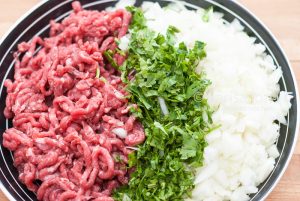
(207, 13)
(98, 73)
(108, 54)
(165, 163)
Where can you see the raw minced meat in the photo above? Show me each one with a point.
(67, 122)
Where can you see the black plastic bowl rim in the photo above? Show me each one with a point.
(232, 9)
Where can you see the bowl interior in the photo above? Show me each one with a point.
(37, 24)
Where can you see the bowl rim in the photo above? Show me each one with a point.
(3, 38)
(267, 29)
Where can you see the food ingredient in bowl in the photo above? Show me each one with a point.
(70, 115)
(162, 81)
(245, 95)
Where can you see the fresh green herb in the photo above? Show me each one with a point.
(103, 79)
(138, 20)
(109, 56)
(117, 158)
(120, 52)
(132, 159)
(117, 41)
(126, 198)
(175, 141)
(98, 73)
(207, 14)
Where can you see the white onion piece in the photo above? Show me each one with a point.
(163, 106)
(124, 3)
(118, 94)
(124, 42)
(120, 132)
(133, 148)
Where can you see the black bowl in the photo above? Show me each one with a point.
(36, 22)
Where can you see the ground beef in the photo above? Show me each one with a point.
(72, 132)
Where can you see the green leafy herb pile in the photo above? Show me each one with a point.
(160, 74)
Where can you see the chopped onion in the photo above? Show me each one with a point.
(118, 94)
(163, 106)
(133, 148)
(120, 132)
(124, 42)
